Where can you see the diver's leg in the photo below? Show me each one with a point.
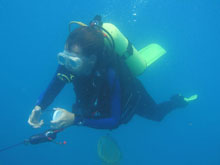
(149, 109)
(155, 111)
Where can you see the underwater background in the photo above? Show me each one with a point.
(33, 32)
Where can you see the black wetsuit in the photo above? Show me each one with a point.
(106, 99)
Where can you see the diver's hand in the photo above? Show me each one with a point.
(34, 118)
(65, 120)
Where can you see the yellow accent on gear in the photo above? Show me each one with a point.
(76, 22)
(71, 76)
(64, 77)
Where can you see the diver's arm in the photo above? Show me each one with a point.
(55, 86)
(113, 121)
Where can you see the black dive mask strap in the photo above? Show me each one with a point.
(97, 23)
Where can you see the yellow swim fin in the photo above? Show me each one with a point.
(151, 53)
(109, 151)
(143, 58)
(191, 98)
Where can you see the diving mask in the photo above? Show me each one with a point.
(70, 60)
(77, 63)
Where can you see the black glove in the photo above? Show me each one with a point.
(178, 101)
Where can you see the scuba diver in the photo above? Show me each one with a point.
(102, 65)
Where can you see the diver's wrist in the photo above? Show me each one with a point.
(37, 108)
(78, 121)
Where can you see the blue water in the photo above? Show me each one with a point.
(33, 32)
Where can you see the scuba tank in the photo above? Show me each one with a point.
(137, 61)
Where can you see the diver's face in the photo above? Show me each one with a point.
(76, 62)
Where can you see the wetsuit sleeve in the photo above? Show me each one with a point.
(113, 121)
(54, 88)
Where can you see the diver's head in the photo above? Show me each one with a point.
(82, 50)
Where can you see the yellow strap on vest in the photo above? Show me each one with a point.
(76, 22)
(64, 77)
(71, 77)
